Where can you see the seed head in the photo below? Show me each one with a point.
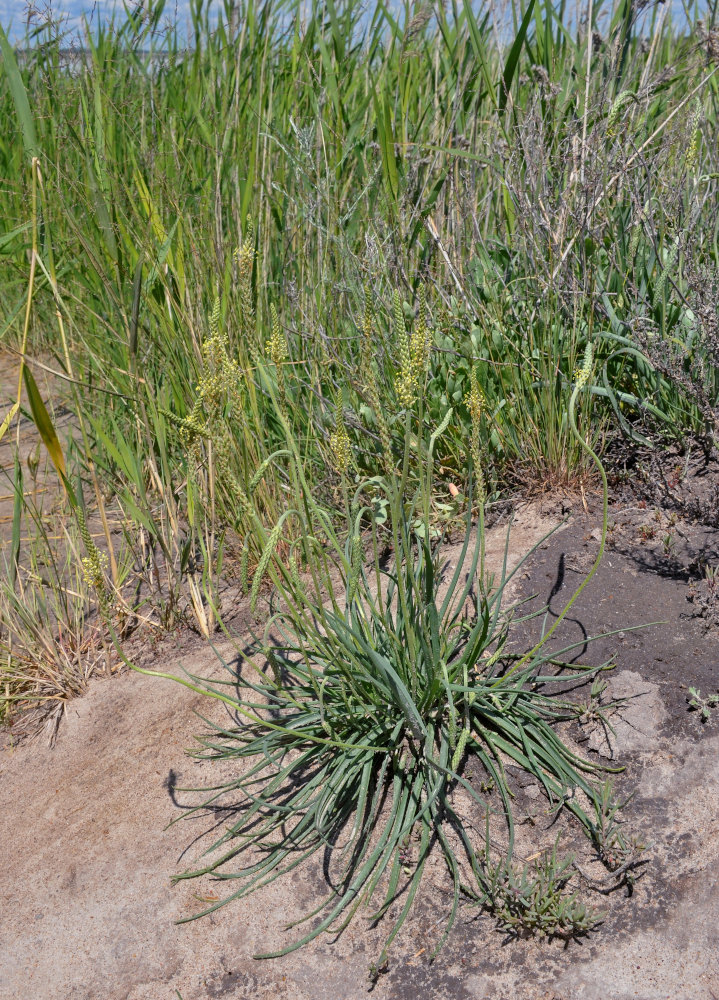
(341, 451)
(634, 242)
(582, 375)
(276, 346)
(615, 112)
(475, 398)
(696, 136)
(459, 751)
(476, 403)
(245, 257)
(94, 563)
(339, 439)
(406, 382)
(420, 343)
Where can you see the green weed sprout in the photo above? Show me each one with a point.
(704, 704)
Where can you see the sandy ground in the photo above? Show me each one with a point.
(88, 911)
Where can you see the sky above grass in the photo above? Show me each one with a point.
(70, 13)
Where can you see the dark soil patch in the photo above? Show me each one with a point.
(652, 595)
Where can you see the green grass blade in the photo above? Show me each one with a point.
(44, 424)
(19, 96)
(510, 66)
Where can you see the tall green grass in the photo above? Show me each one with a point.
(538, 182)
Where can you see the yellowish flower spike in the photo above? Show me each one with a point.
(406, 381)
(276, 346)
(420, 343)
(582, 375)
(476, 403)
(94, 563)
(340, 445)
(615, 113)
(339, 440)
(245, 257)
(475, 399)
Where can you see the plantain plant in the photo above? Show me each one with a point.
(375, 678)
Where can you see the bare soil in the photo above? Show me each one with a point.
(88, 910)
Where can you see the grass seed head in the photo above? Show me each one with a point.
(406, 382)
(475, 398)
(615, 113)
(476, 404)
(582, 375)
(340, 442)
(696, 136)
(276, 346)
(94, 563)
(420, 344)
(245, 256)
(460, 748)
